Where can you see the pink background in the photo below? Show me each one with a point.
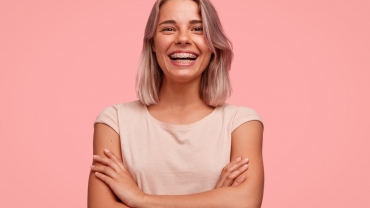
(303, 65)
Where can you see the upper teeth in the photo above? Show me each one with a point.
(183, 55)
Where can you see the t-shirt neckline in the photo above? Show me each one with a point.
(179, 126)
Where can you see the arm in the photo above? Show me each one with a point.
(246, 142)
(99, 194)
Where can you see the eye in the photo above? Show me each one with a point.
(168, 29)
(198, 29)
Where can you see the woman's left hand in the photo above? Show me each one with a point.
(114, 173)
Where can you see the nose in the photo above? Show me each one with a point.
(183, 38)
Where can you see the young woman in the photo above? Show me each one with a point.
(180, 145)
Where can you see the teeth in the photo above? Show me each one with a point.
(183, 55)
(184, 61)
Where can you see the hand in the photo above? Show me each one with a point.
(115, 174)
(231, 174)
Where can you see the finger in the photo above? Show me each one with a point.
(225, 171)
(238, 172)
(108, 162)
(230, 173)
(112, 156)
(239, 180)
(232, 166)
(104, 170)
(233, 175)
(222, 176)
(104, 178)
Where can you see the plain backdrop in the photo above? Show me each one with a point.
(303, 65)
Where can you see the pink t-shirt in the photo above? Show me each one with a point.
(175, 159)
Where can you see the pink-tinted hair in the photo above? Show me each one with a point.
(215, 86)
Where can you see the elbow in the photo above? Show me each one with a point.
(248, 199)
(253, 201)
(247, 205)
(250, 203)
(254, 205)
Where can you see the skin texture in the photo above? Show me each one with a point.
(110, 184)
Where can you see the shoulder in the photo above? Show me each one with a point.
(239, 114)
(240, 111)
(230, 108)
(112, 114)
(113, 110)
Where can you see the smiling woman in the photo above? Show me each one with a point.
(178, 37)
(180, 144)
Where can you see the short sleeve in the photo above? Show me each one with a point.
(243, 115)
(109, 116)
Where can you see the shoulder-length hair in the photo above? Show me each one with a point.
(215, 86)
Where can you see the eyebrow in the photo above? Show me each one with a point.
(174, 22)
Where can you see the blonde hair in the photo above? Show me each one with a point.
(215, 86)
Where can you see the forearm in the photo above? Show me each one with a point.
(117, 205)
(221, 197)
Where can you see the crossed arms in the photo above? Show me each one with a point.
(235, 188)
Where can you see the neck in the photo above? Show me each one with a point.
(180, 94)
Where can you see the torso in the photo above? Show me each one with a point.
(165, 157)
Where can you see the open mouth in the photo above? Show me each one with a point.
(183, 57)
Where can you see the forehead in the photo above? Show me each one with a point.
(179, 10)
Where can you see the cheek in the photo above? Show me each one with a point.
(162, 43)
(206, 61)
(206, 52)
(201, 42)
(159, 51)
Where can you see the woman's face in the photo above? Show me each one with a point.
(179, 44)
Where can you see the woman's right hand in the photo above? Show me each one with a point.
(231, 174)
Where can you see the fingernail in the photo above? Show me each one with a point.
(242, 178)
(245, 159)
(238, 159)
(93, 166)
(106, 150)
(244, 166)
(95, 156)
